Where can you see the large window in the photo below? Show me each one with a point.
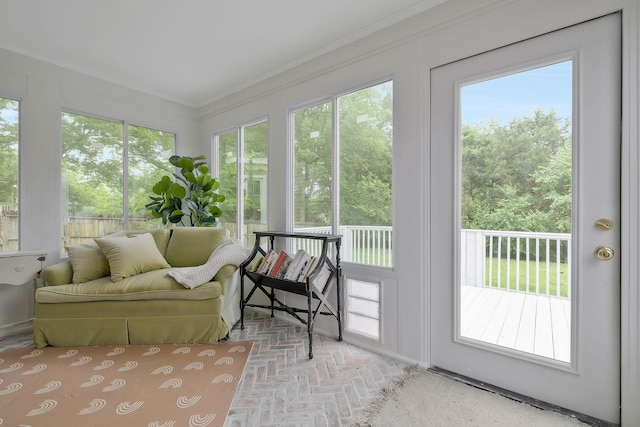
(348, 141)
(360, 155)
(9, 190)
(242, 158)
(108, 170)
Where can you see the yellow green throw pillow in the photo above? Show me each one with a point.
(133, 255)
(87, 261)
(192, 246)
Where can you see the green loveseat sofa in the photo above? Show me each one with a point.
(117, 290)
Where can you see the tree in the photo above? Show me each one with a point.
(228, 175)
(365, 159)
(313, 165)
(93, 162)
(255, 171)
(8, 151)
(517, 177)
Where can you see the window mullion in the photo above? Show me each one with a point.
(125, 176)
(240, 186)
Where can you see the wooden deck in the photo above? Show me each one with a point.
(531, 323)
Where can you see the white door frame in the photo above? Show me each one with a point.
(630, 217)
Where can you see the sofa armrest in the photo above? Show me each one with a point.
(224, 273)
(57, 274)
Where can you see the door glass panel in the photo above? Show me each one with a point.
(515, 198)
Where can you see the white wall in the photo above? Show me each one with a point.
(45, 91)
(407, 51)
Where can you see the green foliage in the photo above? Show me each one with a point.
(254, 167)
(93, 166)
(192, 193)
(517, 177)
(365, 160)
(8, 151)
(313, 165)
(366, 157)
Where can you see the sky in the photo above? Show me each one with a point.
(10, 114)
(518, 95)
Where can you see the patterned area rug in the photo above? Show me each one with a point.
(135, 385)
(423, 398)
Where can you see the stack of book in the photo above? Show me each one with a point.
(280, 265)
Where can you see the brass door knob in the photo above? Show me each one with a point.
(604, 253)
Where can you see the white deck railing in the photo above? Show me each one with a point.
(528, 262)
(360, 244)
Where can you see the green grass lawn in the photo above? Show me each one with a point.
(500, 271)
(372, 256)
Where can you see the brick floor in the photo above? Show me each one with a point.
(282, 387)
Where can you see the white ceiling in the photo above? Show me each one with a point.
(191, 51)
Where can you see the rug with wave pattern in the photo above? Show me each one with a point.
(130, 385)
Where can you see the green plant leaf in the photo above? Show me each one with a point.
(161, 186)
(190, 177)
(186, 164)
(174, 160)
(177, 190)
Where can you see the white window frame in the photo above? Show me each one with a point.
(125, 155)
(240, 176)
(19, 100)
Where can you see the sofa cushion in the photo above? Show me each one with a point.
(133, 255)
(153, 285)
(88, 262)
(192, 246)
(160, 236)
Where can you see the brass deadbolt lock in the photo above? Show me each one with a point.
(604, 224)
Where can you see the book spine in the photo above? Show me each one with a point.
(308, 269)
(296, 265)
(265, 262)
(278, 263)
(285, 266)
(255, 264)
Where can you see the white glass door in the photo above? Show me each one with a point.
(524, 231)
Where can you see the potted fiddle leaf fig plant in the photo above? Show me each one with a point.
(191, 193)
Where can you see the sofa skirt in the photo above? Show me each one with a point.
(129, 322)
